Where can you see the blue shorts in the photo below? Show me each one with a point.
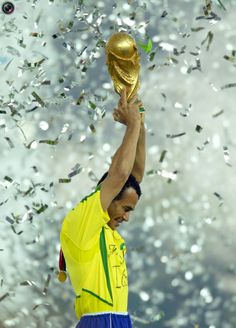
(105, 320)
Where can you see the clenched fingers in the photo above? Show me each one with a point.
(132, 100)
(123, 97)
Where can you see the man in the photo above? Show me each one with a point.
(93, 250)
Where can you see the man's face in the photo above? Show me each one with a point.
(119, 210)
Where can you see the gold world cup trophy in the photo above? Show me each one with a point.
(123, 61)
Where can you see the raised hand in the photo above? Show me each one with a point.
(128, 113)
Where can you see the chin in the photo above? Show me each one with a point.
(112, 226)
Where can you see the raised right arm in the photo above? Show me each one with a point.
(123, 160)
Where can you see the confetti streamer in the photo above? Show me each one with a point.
(75, 170)
(207, 9)
(198, 128)
(226, 155)
(13, 51)
(208, 38)
(220, 198)
(204, 144)
(14, 230)
(81, 98)
(21, 132)
(4, 202)
(28, 283)
(212, 17)
(41, 304)
(162, 157)
(8, 64)
(92, 128)
(221, 4)
(32, 145)
(11, 221)
(164, 173)
(45, 289)
(31, 110)
(39, 208)
(65, 180)
(175, 135)
(231, 58)
(197, 66)
(218, 113)
(164, 14)
(49, 142)
(178, 53)
(35, 169)
(34, 241)
(173, 60)
(229, 85)
(92, 175)
(197, 29)
(163, 95)
(38, 99)
(8, 179)
(9, 142)
(151, 68)
(4, 296)
(186, 111)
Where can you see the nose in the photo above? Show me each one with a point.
(126, 216)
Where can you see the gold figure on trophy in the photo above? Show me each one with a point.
(123, 61)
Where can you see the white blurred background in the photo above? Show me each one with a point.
(56, 103)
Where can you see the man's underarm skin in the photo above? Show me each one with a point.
(140, 158)
(123, 160)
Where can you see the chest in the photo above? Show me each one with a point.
(116, 248)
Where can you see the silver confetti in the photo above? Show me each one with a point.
(226, 155)
(204, 144)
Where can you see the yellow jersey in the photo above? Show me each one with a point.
(94, 255)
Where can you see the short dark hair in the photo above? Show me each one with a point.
(130, 182)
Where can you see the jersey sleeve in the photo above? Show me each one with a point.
(82, 225)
